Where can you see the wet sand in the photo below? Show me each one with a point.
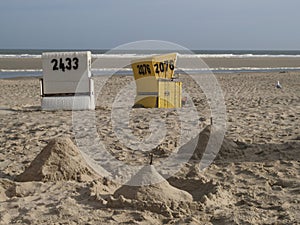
(107, 62)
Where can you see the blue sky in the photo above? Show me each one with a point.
(195, 24)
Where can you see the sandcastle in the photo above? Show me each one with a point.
(59, 160)
(147, 190)
(153, 193)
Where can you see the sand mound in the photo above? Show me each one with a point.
(228, 148)
(59, 160)
(3, 196)
(6, 187)
(202, 189)
(158, 197)
(161, 191)
(198, 188)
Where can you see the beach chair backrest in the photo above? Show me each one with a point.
(66, 73)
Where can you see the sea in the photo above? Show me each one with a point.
(128, 55)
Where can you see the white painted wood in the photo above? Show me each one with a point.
(57, 80)
(66, 73)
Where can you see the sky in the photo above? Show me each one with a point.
(194, 24)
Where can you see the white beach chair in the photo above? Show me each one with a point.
(67, 83)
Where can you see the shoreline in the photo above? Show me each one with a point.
(114, 62)
(12, 68)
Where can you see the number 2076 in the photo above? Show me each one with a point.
(160, 67)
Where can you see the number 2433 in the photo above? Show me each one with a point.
(65, 64)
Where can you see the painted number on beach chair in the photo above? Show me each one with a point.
(164, 66)
(63, 64)
(144, 69)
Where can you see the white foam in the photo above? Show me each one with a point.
(133, 56)
(19, 56)
(235, 56)
(240, 68)
(117, 55)
(21, 70)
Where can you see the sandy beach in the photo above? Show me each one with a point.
(254, 179)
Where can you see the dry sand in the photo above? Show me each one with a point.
(255, 178)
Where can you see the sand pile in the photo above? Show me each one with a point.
(6, 189)
(228, 148)
(3, 196)
(158, 197)
(161, 191)
(59, 160)
(205, 191)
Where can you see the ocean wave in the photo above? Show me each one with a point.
(20, 71)
(134, 56)
(99, 56)
(120, 55)
(240, 69)
(235, 56)
(20, 56)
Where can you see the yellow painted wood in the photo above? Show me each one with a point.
(158, 66)
(146, 101)
(154, 85)
(169, 95)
